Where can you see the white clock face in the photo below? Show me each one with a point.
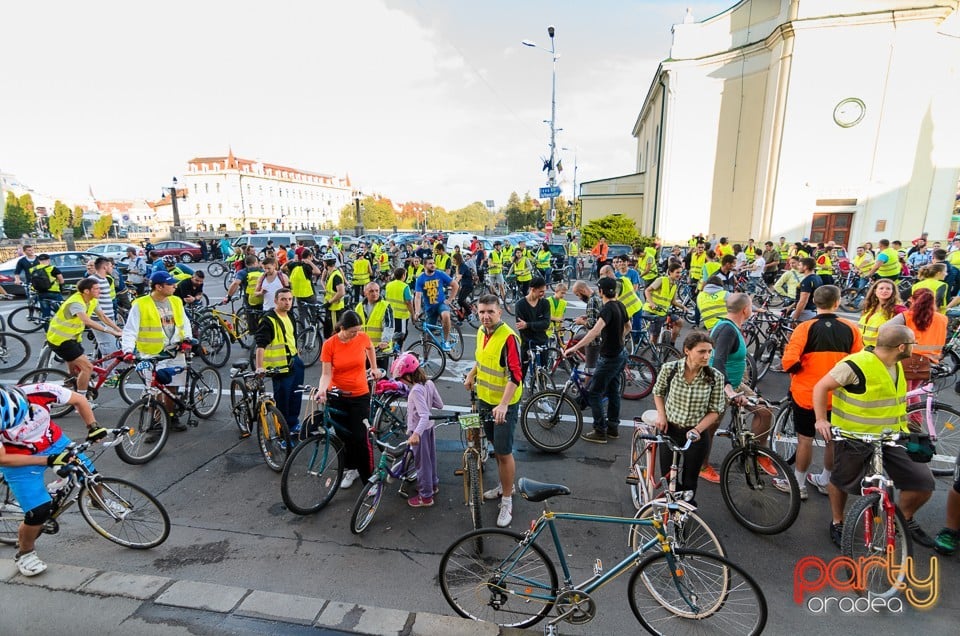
(849, 112)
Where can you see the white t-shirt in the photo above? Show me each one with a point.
(756, 270)
(37, 424)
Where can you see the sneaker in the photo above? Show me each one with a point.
(349, 476)
(177, 425)
(783, 485)
(821, 486)
(493, 493)
(767, 465)
(710, 474)
(116, 508)
(112, 382)
(836, 533)
(919, 535)
(613, 433)
(420, 502)
(947, 541)
(29, 563)
(506, 514)
(446, 346)
(595, 436)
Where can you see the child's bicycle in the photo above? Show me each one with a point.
(116, 509)
(252, 405)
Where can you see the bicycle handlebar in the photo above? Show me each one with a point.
(665, 439)
(886, 437)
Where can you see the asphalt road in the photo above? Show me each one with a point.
(230, 525)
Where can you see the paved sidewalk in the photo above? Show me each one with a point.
(169, 605)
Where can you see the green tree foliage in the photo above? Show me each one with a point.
(76, 221)
(617, 228)
(16, 220)
(60, 219)
(521, 214)
(102, 227)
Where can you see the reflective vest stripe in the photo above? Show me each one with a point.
(558, 307)
(63, 328)
(661, 298)
(361, 271)
(253, 275)
(628, 296)
(331, 290)
(873, 409)
(892, 266)
(870, 327)
(150, 336)
(522, 270)
(496, 262)
(713, 307)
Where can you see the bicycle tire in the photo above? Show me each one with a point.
(205, 392)
(273, 438)
(851, 299)
(25, 320)
(544, 424)
(244, 335)
(456, 337)
(214, 345)
(312, 474)
(950, 363)
(390, 414)
(145, 525)
(640, 376)
(640, 492)
(14, 352)
(682, 525)
(764, 360)
(558, 367)
(309, 343)
(475, 491)
(661, 593)
(853, 544)
(240, 406)
(366, 506)
(145, 418)
(946, 422)
(750, 495)
(131, 386)
(58, 377)
(433, 360)
(465, 572)
(216, 269)
(783, 439)
(11, 515)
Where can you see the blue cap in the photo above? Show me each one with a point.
(162, 278)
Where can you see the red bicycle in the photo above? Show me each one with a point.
(103, 368)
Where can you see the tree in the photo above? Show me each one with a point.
(102, 227)
(617, 228)
(76, 221)
(60, 219)
(16, 221)
(26, 203)
(521, 214)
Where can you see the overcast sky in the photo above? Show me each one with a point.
(420, 100)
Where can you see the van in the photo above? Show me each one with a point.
(259, 241)
(463, 239)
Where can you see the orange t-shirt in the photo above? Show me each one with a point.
(349, 362)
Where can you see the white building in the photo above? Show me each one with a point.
(233, 194)
(828, 119)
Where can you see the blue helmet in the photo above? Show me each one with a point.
(13, 407)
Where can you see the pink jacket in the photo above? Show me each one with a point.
(420, 400)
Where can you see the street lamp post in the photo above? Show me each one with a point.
(358, 229)
(552, 166)
(573, 218)
(177, 230)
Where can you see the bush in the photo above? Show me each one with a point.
(618, 229)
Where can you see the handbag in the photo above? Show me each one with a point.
(920, 447)
(916, 367)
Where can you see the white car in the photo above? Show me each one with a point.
(116, 251)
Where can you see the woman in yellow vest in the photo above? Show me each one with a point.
(824, 265)
(931, 277)
(334, 291)
(558, 307)
(661, 295)
(881, 303)
(523, 270)
(398, 294)
(277, 350)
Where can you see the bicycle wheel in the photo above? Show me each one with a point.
(10, 515)
(640, 464)
(14, 352)
(26, 319)
(312, 474)
(456, 342)
(149, 430)
(668, 590)
(868, 511)
(432, 359)
(475, 491)
(682, 526)
(214, 345)
(558, 367)
(640, 378)
(144, 522)
(216, 268)
(308, 345)
(391, 413)
(946, 422)
(240, 406)
(851, 299)
(58, 377)
(273, 437)
(551, 421)
(244, 335)
(667, 353)
(749, 492)
(507, 583)
(367, 504)
(765, 356)
(784, 436)
(131, 386)
(205, 387)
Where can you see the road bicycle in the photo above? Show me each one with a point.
(116, 509)
(506, 578)
(656, 353)
(253, 406)
(217, 329)
(103, 369)
(874, 527)
(747, 474)
(149, 419)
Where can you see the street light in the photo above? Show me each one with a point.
(552, 166)
(176, 212)
(575, 221)
(358, 229)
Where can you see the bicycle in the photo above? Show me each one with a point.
(103, 368)
(14, 351)
(433, 359)
(30, 318)
(148, 418)
(217, 268)
(116, 509)
(940, 420)
(506, 578)
(250, 405)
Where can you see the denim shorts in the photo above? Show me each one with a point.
(26, 482)
(500, 434)
(433, 312)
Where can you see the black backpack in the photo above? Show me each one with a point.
(40, 280)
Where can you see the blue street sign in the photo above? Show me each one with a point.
(546, 193)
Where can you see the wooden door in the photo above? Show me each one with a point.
(833, 226)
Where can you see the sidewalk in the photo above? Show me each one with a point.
(170, 605)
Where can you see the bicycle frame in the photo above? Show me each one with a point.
(883, 487)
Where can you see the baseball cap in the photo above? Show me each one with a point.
(162, 278)
(44, 257)
(607, 284)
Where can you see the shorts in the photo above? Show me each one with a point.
(26, 482)
(433, 312)
(804, 421)
(500, 434)
(851, 461)
(495, 279)
(68, 350)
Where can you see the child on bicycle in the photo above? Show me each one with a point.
(422, 396)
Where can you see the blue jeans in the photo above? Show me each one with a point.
(606, 384)
(46, 300)
(286, 394)
(572, 263)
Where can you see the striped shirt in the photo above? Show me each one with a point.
(105, 303)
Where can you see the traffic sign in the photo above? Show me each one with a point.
(548, 227)
(549, 192)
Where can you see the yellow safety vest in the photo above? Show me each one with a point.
(442, 261)
(54, 283)
(628, 296)
(751, 253)
(709, 269)
(383, 259)
(784, 252)
(869, 327)
(662, 298)
(954, 258)
(374, 326)
(879, 405)
(496, 263)
(413, 274)
(492, 376)
(863, 263)
(283, 347)
(63, 328)
(395, 294)
(892, 266)
(558, 307)
(113, 287)
(722, 250)
(651, 263)
(253, 276)
(522, 270)
(361, 271)
(574, 249)
(331, 291)
(713, 307)
(543, 259)
(506, 254)
(826, 267)
(934, 286)
(696, 265)
(300, 285)
(150, 336)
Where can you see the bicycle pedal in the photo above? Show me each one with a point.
(193, 423)
(632, 478)
(458, 472)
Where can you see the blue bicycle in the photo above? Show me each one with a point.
(431, 349)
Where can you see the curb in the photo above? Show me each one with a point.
(248, 603)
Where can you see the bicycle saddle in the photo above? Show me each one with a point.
(538, 491)
(240, 365)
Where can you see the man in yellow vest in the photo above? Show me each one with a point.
(711, 302)
(494, 276)
(247, 279)
(442, 259)
(334, 291)
(784, 249)
(65, 332)
(629, 291)
(661, 295)
(824, 264)
(377, 317)
(362, 271)
(277, 351)
(497, 376)
(400, 297)
(887, 264)
(750, 251)
(47, 284)
(647, 265)
(863, 262)
(869, 396)
(573, 256)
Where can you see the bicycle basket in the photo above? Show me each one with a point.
(469, 420)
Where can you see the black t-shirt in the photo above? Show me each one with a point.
(466, 276)
(614, 318)
(24, 265)
(809, 283)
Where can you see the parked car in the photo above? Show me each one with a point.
(259, 241)
(182, 250)
(616, 249)
(116, 251)
(73, 266)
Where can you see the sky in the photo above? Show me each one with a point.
(417, 100)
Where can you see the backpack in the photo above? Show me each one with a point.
(40, 280)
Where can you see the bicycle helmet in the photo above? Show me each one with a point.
(404, 364)
(13, 407)
(169, 260)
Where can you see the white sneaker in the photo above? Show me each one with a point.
(349, 476)
(506, 513)
(814, 480)
(493, 493)
(30, 564)
(116, 508)
(783, 485)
